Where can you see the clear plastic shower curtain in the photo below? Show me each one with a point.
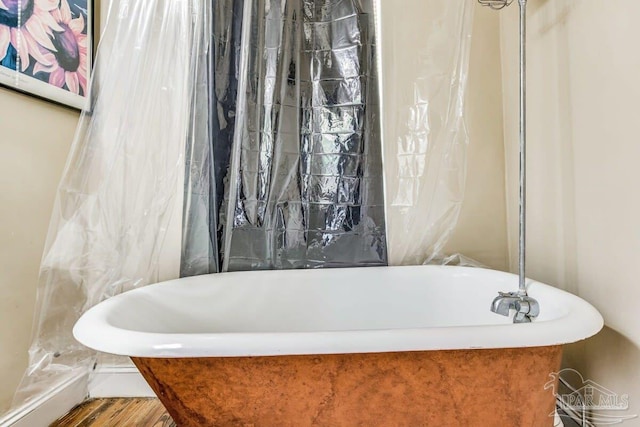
(250, 134)
(121, 186)
(425, 138)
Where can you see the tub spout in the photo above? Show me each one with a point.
(504, 302)
(526, 307)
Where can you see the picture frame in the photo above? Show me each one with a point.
(46, 49)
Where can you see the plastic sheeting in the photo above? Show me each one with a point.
(306, 172)
(290, 175)
(249, 134)
(121, 184)
(425, 138)
(209, 151)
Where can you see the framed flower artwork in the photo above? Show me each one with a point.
(46, 49)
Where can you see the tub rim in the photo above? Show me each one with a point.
(580, 321)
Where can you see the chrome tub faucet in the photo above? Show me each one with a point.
(526, 308)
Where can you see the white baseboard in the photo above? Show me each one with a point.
(47, 408)
(118, 381)
(105, 381)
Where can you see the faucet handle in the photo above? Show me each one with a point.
(526, 309)
(521, 318)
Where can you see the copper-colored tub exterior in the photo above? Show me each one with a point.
(501, 387)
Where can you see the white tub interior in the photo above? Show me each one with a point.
(331, 310)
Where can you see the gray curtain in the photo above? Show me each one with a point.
(293, 178)
(209, 148)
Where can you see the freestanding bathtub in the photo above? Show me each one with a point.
(389, 346)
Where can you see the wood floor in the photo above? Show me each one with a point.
(137, 412)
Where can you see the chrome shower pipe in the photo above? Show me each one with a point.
(526, 308)
(522, 240)
(522, 216)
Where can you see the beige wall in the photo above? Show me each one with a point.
(584, 207)
(35, 139)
